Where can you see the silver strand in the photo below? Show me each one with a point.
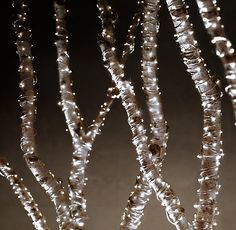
(210, 96)
(27, 100)
(163, 191)
(210, 14)
(23, 195)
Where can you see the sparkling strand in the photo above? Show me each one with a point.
(163, 191)
(210, 97)
(27, 100)
(210, 14)
(24, 196)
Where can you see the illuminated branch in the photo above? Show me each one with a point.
(72, 213)
(210, 97)
(112, 91)
(210, 14)
(150, 28)
(163, 191)
(27, 100)
(73, 119)
(137, 201)
(82, 142)
(130, 40)
(23, 195)
(94, 129)
(140, 196)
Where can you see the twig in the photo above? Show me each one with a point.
(130, 39)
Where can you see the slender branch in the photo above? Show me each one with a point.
(210, 97)
(27, 100)
(137, 201)
(112, 91)
(140, 195)
(210, 14)
(82, 142)
(130, 39)
(23, 195)
(77, 181)
(73, 119)
(71, 111)
(150, 28)
(94, 129)
(163, 191)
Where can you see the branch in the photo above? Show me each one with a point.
(73, 119)
(23, 195)
(82, 142)
(150, 28)
(46, 179)
(140, 195)
(94, 129)
(210, 97)
(210, 14)
(163, 191)
(137, 201)
(130, 39)
(112, 91)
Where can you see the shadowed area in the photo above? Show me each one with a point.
(113, 166)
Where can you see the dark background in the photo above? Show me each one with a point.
(112, 167)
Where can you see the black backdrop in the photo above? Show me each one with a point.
(112, 167)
